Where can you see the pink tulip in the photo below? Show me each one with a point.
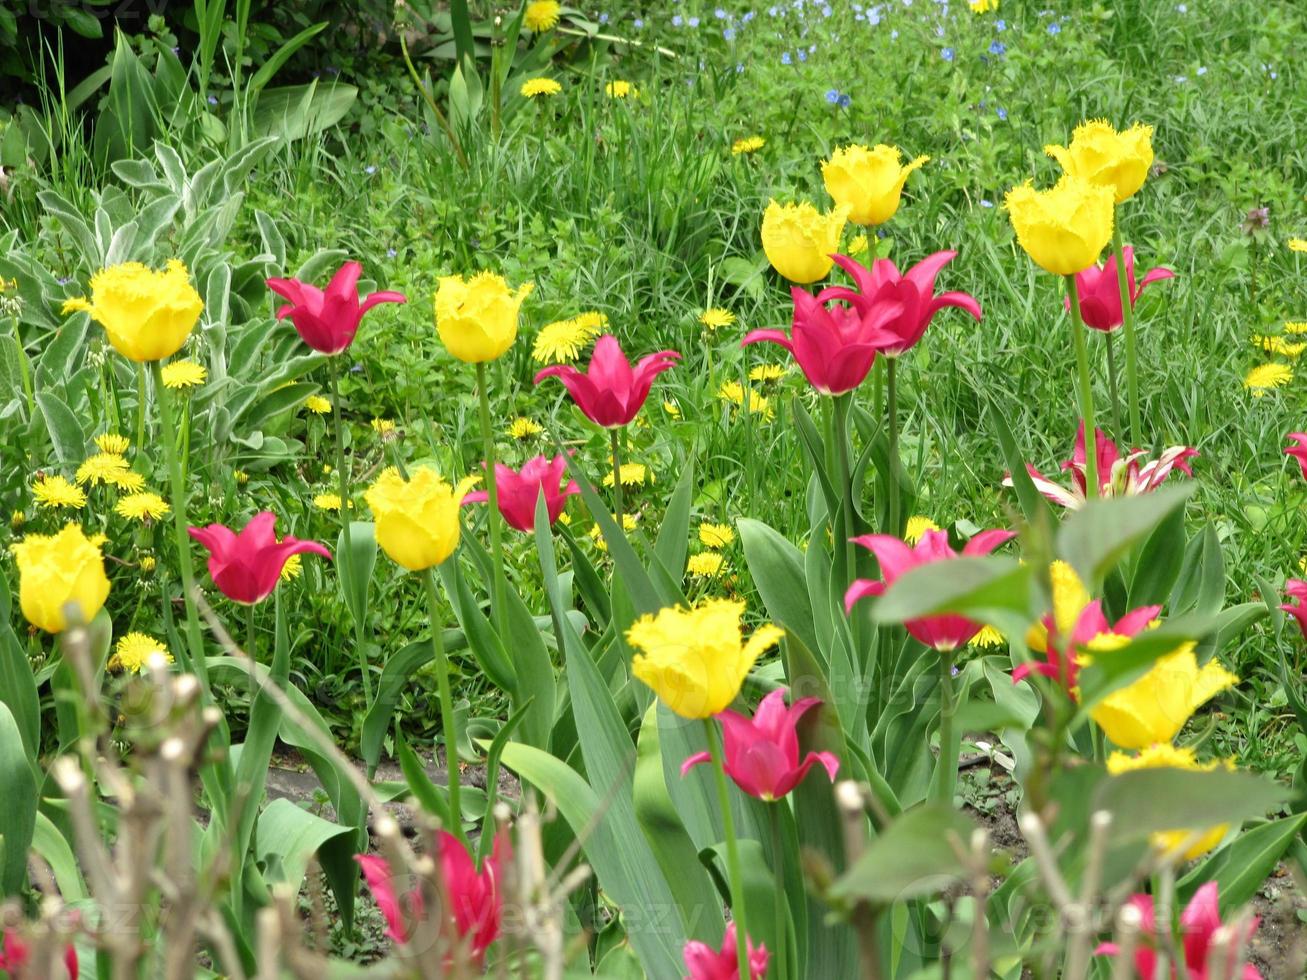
(15, 956)
(1298, 452)
(610, 393)
(1060, 653)
(518, 491)
(945, 632)
(913, 293)
(1198, 924)
(327, 320)
(247, 566)
(762, 752)
(706, 963)
(1296, 589)
(474, 903)
(1118, 476)
(1100, 293)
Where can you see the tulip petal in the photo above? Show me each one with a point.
(698, 759)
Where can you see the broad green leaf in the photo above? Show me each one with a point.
(914, 857)
(1034, 505)
(66, 433)
(432, 798)
(1201, 585)
(17, 683)
(674, 533)
(757, 869)
(296, 111)
(1145, 801)
(1113, 669)
(1241, 867)
(55, 850)
(776, 567)
(1160, 562)
(483, 641)
(288, 837)
(395, 677)
(1097, 536)
(968, 585)
(18, 815)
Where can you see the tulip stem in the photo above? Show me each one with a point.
(448, 722)
(781, 899)
(194, 641)
(1111, 382)
(1128, 326)
(1086, 392)
(249, 652)
(344, 561)
(946, 769)
(615, 441)
(892, 418)
(841, 435)
(732, 848)
(140, 406)
(494, 518)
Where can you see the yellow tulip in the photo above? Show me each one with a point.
(1070, 597)
(1166, 756)
(870, 182)
(1155, 707)
(477, 318)
(417, 517)
(1064, 229)
(148, 315)
(695, 659)
(55, 570)
(799, 240)
(1101, 155)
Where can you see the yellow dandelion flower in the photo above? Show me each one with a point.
(57, 492)
(17, 519)
(148, 563)
(716, 535)
(143, 507)
(1278, 345)
(672, 409)
(541, 15)
(983, 6)
(133, 652)
(917, 527)
(857, 246)
(128, 481)
(733, 392)
(241, 477)
(184, 374)
(750, 144)
(1267, 376)
(633, 475)
(329, 501)
(1295, 326)
(562, 341)
(111, 442)
(101, 468)
(706, 564)
(1298, 244)
(767, 373)
(317, 405)
(714, 318)
(534, 87)
(621, 90)
(524, 428)
(383, 427)
(629, 522)
(291, 570)
(987, 637)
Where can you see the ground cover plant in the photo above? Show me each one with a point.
(798, 490)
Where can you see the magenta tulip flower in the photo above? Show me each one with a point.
(611, 392)
(946, 632)
(913, 292)
(1198, 925)
(1060, 656)
(1298, 452)
(762, 752)
(1100, 293)
(247, 566)
(519, 490)
(1296, 589)
(327, 320)
(1118, 476)
(381, 883)
(706, 963)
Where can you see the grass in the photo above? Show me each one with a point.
(638, 209)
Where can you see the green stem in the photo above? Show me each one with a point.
(140, 405)
(615, 449)
(249, 652)
(448, 722)
(732, 849)
(1086, 392)
(1128, 326)
(1110, 339)
(494, 518)
(892, 419)
(946, 772)
(194, 641)
(841, 435)
(782, 898)
(441, 118)
(346, 555)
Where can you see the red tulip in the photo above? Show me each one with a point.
(1296, 589)
(762, 752)
(1298, 452)
(1060, 652)
(1100, 293)
(518, 491)
(1198, 924)
(247, 566)
(913, 292)
(15, 955)
(1118, 476)
(946, 632)
(327, 320)
(381, 883)
(610, 393)
(706, 963)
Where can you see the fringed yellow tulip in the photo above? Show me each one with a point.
(1063, 229)
(417, 517)
(148, 315)
(1101, 155)
(1069, 600)
(1166, 756)
(799, 240)
(55, 570)
(695, 659)
(869, 182)
(1154, 708)
(477, 318)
